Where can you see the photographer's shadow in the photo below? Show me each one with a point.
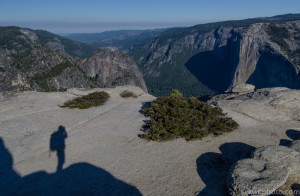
(57, 143)
(77, 179)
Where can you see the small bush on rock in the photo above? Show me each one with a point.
(179, 117)
(127, 93)
(87, 101)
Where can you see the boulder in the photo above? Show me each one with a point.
(282, 155)
(256, 177)
(267, 170)
(243, 88)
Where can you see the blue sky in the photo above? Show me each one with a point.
(73, 16)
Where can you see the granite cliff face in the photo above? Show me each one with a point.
(215, 57)
(113, 69)
(39, 60)
(268, 58)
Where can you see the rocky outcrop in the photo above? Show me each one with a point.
(263, 60)
(113, 68)
(243, 88)
(263, 104)
(267, 171)
(256, 177)
(284, 156)
(216, 57)
(270, 168)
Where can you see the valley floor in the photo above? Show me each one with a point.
(104, 141)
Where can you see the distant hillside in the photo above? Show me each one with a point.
(211, 58)
(75, 49)
(40, 60)
(123, 39)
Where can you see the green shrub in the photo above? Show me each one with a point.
(179, 117)
(127, 93)
(175, 93)
(87, 101)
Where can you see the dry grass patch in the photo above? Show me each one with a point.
(87, 101)
(127, 94)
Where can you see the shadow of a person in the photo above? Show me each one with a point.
(77, 179)
(57, 143)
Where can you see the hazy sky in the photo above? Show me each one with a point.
(69, 16)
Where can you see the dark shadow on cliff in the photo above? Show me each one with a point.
(77, 179)
(211, 69)
(273, 70)
(213, 167)
(292, 134)
(215, 68)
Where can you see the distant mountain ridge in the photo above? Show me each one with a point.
(121, 39)
(42, 61)
(212, 58)
(11, 34)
